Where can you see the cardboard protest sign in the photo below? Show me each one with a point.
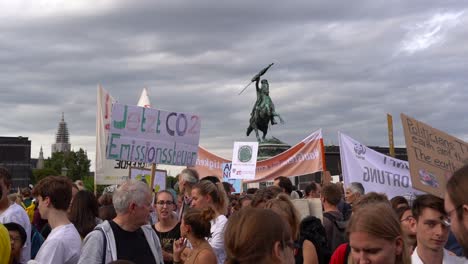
(244, 160)
(432, 154)
(155, 136)
(375, 171)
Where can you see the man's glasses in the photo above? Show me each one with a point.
(162, 203)
(448, 220)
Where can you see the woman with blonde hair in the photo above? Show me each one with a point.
(375, 236)
(259, 236)
(195, 227)
(306, 248)
(206, 194)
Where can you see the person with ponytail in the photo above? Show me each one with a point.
(194, 228)
(206, 194)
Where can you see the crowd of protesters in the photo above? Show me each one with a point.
(202, 221)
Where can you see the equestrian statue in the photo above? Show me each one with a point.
(263, 112)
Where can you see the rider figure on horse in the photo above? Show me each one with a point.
(263, 103)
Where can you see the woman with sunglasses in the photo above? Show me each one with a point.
(168, 226)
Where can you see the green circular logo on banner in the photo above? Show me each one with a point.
(245, 153)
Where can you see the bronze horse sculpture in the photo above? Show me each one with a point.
(263, 112)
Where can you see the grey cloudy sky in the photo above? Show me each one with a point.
(339, 65)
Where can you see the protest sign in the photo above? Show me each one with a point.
(375, 171)
(236, 183)
(144, 175)
(154, 136)
(244, 160)
(432, 154)
(159, 182)
(303, 158)
(139, 174)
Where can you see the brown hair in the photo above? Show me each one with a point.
(83, 212)
(285, 183)
(199, 221)
(251, 234)
(457, 189)
(265, 194)
(370, 198)
(216, 192)
(57, 188)
(286, 209)
(397, 200)
(332, 193)
(379, 220)
(6, 176)
(427, 201)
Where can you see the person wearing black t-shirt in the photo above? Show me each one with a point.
(168, 226)
(128, 236)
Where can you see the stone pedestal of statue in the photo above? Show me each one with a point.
(270, 148)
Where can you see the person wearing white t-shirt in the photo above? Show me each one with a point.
(63, 245)
(207, 194)
(432, 231)
(14, 213)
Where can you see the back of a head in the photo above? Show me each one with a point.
(398, 201)
(26, 192)
(83, 212)
(265, 194)
(457, 189)
(5, 176)
(213, 179)
(283, 206)
(57, 188)
(199, 221)
(331, 193)
(131, 191)
(379, 220)
(250, 236)
(357, 187)
(370, 198)
(427, 201)
(311, 187)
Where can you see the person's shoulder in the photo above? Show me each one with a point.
(450, 258)
(207, 256)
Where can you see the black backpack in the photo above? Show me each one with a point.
(338, 236)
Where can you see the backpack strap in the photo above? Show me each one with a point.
(104, 244)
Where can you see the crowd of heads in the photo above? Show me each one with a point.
(203, 219)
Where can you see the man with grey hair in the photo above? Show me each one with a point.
(128, 236)
(187, 179)
(353, 192)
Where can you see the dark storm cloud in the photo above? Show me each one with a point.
(338, 66)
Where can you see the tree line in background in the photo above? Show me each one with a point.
(73, 164)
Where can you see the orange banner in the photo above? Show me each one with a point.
(304, 158)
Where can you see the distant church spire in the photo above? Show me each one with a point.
(40, 160)
(62, 143)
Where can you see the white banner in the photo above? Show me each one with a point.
(377, 172)
(150, 135)
(244, 160)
